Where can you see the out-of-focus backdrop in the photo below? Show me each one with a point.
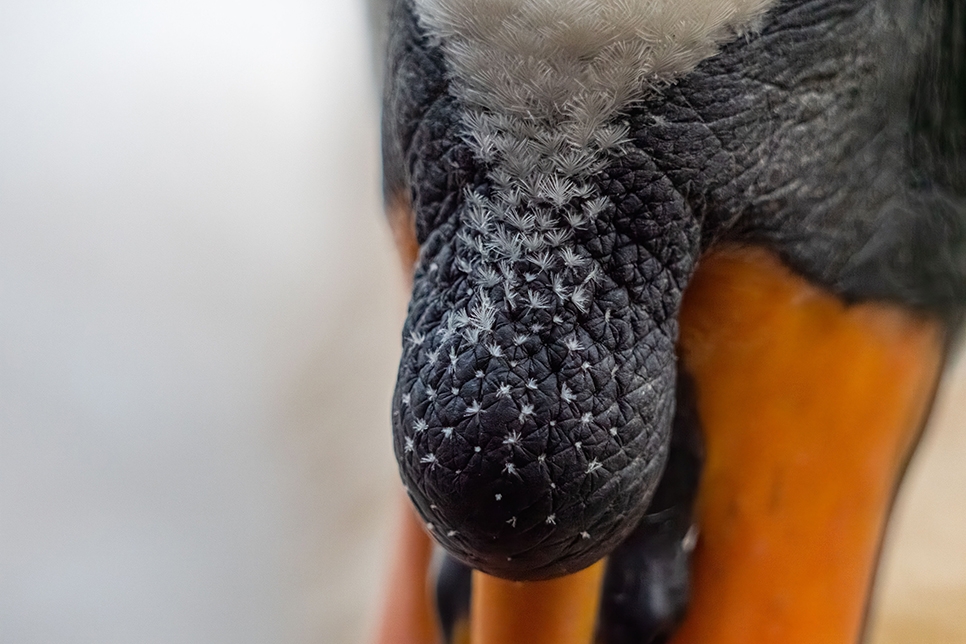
(199, 322)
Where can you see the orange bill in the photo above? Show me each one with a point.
(810, 410)
(558, 611)
(402, 222)
(407, 616)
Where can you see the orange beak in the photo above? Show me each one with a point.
(558, 611)
(811, 409)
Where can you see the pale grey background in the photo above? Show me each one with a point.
(199, 314)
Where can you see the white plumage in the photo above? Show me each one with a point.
(583, 58)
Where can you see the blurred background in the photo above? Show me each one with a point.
(199, 321)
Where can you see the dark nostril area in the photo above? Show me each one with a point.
(530, 431)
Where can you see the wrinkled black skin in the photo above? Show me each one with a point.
(833, 136)
(647, 584)
(647, 581)
(644, 263)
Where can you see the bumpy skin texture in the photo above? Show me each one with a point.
(531, 430)
(647, 585)
(647, 581)
(537, 441)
